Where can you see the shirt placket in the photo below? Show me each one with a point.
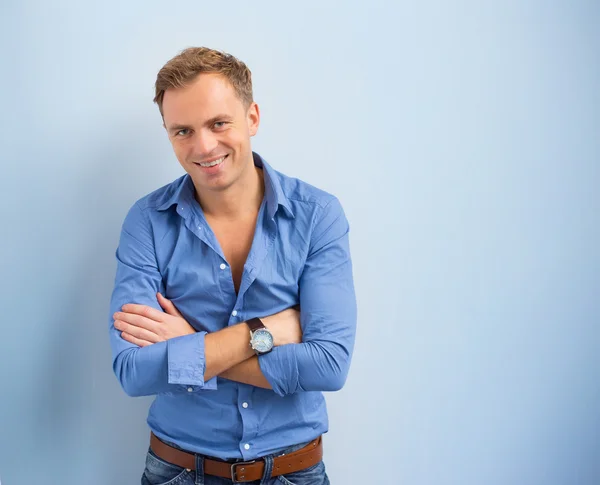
(263, 241)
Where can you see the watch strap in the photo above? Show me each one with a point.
(255, 324)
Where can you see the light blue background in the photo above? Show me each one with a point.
(463, 141)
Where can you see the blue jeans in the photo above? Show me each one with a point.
(160, 472)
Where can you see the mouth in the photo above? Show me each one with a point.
(213, 163)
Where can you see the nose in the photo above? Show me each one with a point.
(205, 143)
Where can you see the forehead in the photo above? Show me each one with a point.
(207, 95)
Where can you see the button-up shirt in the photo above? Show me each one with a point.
(299, 255)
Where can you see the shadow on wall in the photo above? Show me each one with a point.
(87, 423)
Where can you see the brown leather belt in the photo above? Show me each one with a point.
(239, 472)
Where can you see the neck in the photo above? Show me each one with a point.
(241, 199)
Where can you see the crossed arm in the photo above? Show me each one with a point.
(177, 358)
(227, 352)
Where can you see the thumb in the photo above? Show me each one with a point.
(168, 306)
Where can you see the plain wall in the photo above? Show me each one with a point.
(463, 141)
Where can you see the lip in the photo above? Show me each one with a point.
(216, 168)
(208, 160)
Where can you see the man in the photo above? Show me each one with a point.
(233, 302)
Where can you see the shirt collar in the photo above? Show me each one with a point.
(273, 191)
(183, 193)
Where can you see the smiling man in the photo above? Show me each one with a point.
(234, 302)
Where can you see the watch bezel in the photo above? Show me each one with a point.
(253, 339)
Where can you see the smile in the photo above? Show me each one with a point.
(214, 163)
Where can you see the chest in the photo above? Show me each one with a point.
(235, 240)
(264, 264)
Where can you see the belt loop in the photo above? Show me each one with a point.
(268, 470)
(199, 470)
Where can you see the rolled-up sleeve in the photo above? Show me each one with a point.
(328, 314)
(176, 365)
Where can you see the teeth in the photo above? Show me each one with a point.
(212, 164)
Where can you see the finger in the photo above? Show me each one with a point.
(138, 332)
(168, 306)
(144, 311)
(134, 340)
(138, 321)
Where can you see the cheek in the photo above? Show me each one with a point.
(182, 151)
(236, 137)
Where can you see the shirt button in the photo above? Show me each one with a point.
(223, 266)
(245, 405)
(234, 313)
(246, 446)
(190, 389)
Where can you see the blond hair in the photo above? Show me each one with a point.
(191, 62)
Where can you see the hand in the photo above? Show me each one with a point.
(143, 325)
(285, 326)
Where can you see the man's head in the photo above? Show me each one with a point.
(205, 99)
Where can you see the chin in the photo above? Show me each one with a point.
(217, 184)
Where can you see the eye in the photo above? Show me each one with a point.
(219, 124)
(182, 132)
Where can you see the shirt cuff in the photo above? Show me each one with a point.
(280, 368)
(186, 361)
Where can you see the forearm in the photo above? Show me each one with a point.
(189, 361)
(247, 372)
(241, 364)
(226, 349)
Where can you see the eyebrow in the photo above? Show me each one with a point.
(211, 121)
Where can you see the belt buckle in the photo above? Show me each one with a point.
(234, 471)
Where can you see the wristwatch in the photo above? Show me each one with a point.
(261, 339)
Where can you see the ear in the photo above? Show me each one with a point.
(253, 118)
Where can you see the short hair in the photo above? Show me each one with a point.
(186, 66)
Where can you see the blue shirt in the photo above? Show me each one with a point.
(299, 255)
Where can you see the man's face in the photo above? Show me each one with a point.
(210, 129)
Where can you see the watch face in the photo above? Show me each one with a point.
(262, 340)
